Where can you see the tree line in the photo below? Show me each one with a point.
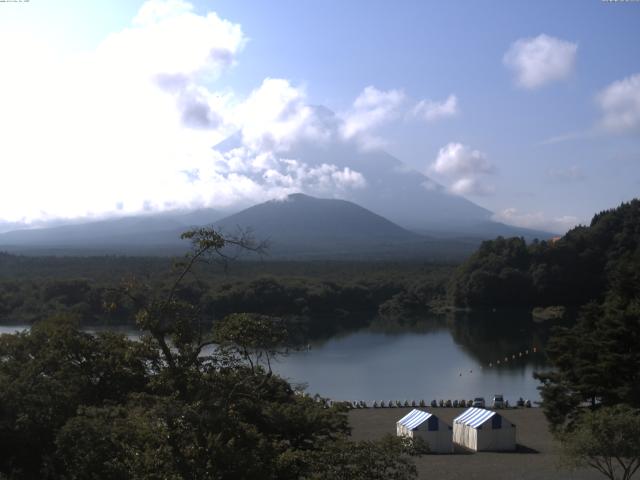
(321, 299)
(587, 264)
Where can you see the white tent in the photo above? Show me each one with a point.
(427, 426)
(479, 429)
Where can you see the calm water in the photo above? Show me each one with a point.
(406, 366)
(445, 359)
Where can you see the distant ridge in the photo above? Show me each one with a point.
(298, 227)
(133, 234)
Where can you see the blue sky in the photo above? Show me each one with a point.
(542, 142)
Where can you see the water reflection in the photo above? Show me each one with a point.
(429, 358)
(492, 336)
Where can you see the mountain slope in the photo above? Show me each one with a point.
(488, 230)
(297, 227)
(300, 223)
(111, 235)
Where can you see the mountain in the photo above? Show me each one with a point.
(392, 189)
(296, 227)
(302, 227)
(405, 196)
(408, 198)
(304, 220)
(135, 234)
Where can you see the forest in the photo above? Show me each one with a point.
(589, 263)
(320, 297)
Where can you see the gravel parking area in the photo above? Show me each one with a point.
(536, 458)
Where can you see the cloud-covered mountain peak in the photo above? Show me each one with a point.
(333, 166)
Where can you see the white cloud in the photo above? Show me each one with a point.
(540, 60)
(456, 159)
(433, 110)
(131, 125)
(347, 178)
(168, 39)
(536, 220)
(620, 104)
(371, 109)
(276, 115)
(464, 167)
(565, 137)
(111, 130)
(471, 186)
(321, 179)
(154, 11)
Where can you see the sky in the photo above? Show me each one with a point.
(529, 109)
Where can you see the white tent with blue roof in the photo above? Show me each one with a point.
(479, 429)
(425, 425)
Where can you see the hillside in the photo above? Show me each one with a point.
(304, 227)
(588, 263)
(134, 234)
(296, 227)
(303, 220)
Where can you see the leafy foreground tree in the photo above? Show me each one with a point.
(388, 459)
(607, 439)
(173, 405)
(592, 396)
(595, 363)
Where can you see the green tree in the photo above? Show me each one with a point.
(587, 264)
(596, 362)
(607, 439)
(47, 374)
(386, 459)
(115, 442)
(255, 338)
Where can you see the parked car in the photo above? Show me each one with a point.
(498, 401)
(478, 402)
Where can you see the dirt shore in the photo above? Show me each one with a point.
(537, 456)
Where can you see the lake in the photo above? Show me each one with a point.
(405, 366)
(452, 358)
